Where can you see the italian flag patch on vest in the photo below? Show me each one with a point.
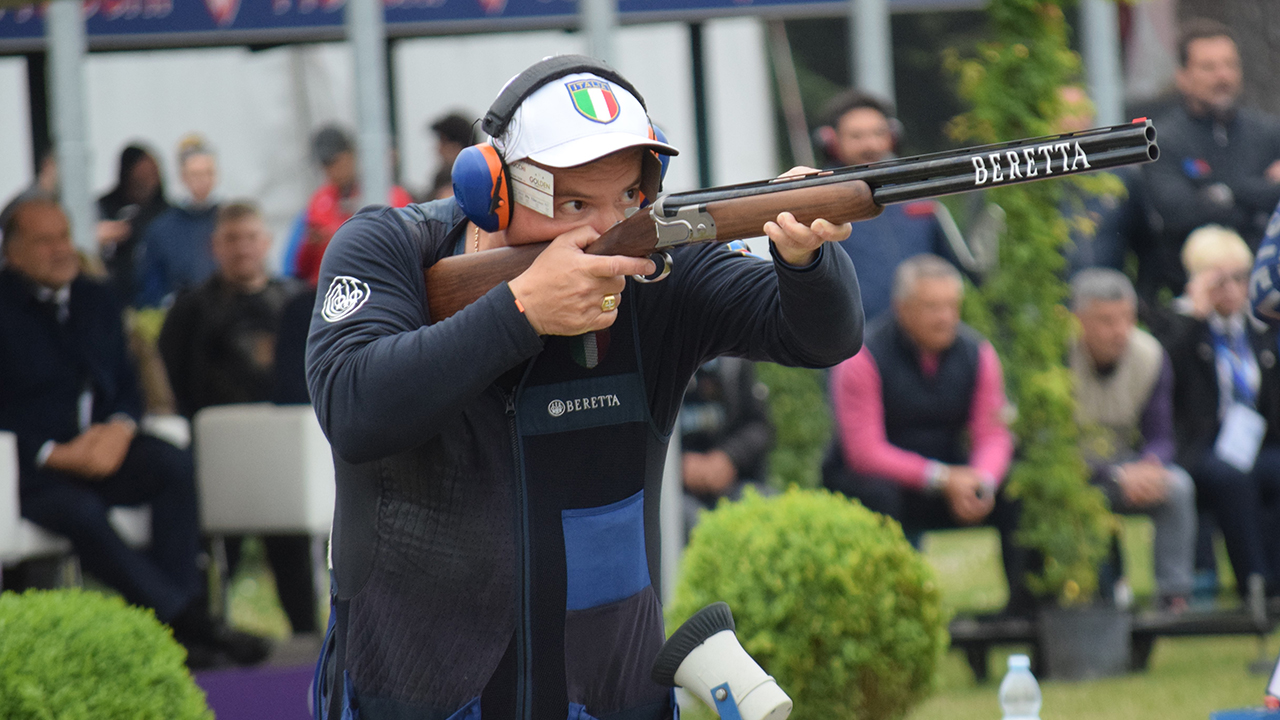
(594, 100)
(590, 348)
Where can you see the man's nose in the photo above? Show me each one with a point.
(608, 217)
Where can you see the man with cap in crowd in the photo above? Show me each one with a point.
(861, 129)
(498, 472)
(453, 132)
(335, 201)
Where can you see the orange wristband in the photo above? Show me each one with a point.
(519, 306)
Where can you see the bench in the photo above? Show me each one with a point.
(976, 636)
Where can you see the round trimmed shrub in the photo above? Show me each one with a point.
(827, 596)
(77, 655)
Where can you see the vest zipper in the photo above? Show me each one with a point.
(524, 650)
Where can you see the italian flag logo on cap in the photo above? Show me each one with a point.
(594, 100)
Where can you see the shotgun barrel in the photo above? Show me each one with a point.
(965, 169)
(853, 193)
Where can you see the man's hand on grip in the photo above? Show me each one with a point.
(563, 291)
(797, 242)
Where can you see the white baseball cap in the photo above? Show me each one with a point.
(574, 120)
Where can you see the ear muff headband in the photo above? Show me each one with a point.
(528, 82)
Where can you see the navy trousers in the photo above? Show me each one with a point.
(1247, 508)
(165, 576)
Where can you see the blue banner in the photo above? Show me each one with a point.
(137, 24)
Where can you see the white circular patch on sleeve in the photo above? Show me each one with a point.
(345, 296)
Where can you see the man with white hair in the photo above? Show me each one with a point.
(498, 472)
(1124, 407)
(920, 429)
(1226, 402)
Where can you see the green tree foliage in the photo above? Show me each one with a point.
(76, 655)
(798, 410)
(827, 596)
(1013, 86)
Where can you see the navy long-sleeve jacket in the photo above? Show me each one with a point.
(496, 527)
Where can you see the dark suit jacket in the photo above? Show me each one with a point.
(1195, 386)
(45, 366)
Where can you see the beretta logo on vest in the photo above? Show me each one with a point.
(558, 407)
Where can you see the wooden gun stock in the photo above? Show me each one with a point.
(457, 281)
(841, 195)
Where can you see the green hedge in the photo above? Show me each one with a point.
(798, 410)
(77, 655)
(827, 596)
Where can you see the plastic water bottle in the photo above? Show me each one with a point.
(1019, 691)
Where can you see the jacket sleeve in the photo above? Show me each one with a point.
(382, 379)
(127, 396)
(804, 317)
(177, 348)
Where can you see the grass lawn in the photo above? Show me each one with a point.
(1187, 678)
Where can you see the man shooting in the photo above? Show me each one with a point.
(495, 537)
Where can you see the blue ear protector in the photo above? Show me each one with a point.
(481, 183)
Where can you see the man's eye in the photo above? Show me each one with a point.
(575, 206)
(631, 194)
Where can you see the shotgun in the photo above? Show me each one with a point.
(856, 192)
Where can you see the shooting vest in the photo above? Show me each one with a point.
(530, 524)
(926, 414)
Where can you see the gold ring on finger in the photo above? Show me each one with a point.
(609, 303)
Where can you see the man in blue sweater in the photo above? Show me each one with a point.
(861, 129)
(176, 251)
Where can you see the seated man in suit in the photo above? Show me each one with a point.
(71, 396)
(219, 347)
(1124, 407)
(920, 433)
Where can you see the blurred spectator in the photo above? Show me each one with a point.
(920, 433)
(725, 435)
(441, 185)
(218, 344)
(135, 201)
(861, 129)
(175, 252)
(71, 397)
(1124, 407)
(1227, 401)
(336, 200)
(1103, 227)
(1219, 163)
(45, 184)
(453, 132)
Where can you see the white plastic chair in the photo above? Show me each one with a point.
(263, 469)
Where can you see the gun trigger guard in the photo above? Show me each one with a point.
(666, 268)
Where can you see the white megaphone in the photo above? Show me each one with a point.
(704, 657)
